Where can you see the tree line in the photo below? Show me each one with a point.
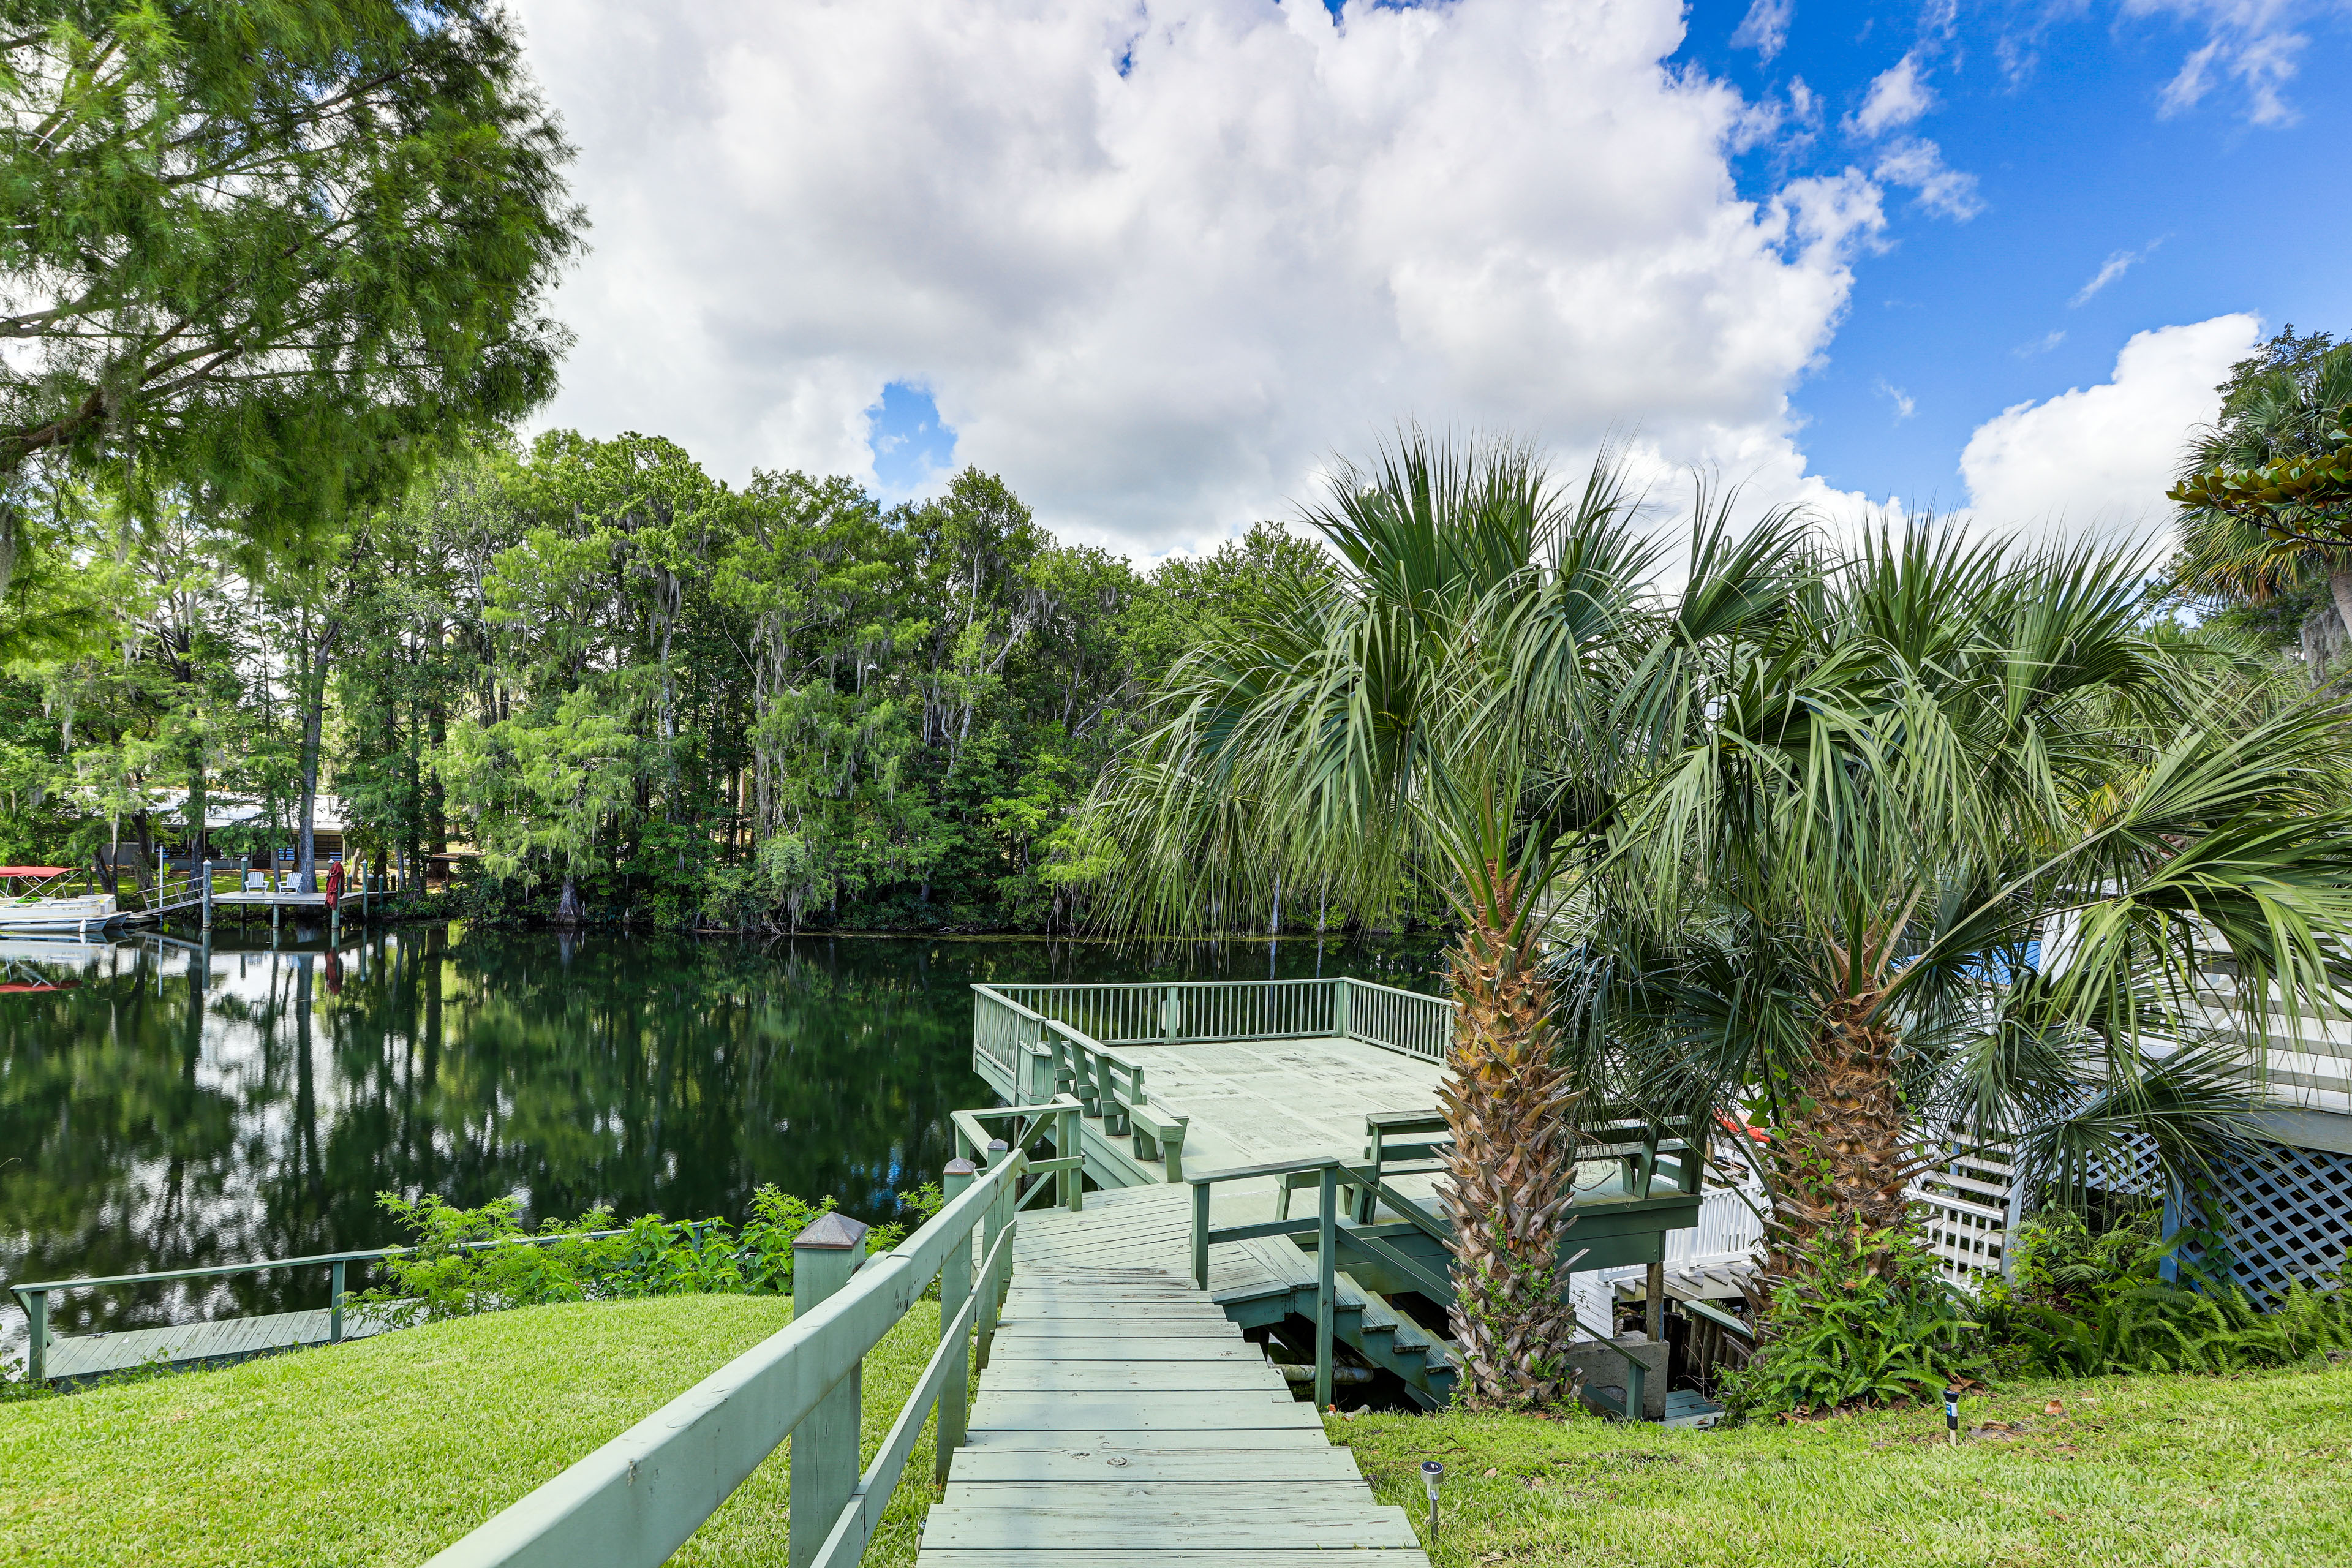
(630, 691)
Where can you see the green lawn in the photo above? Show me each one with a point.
(384, 1451)
(2192, 1471)
(381, 1451)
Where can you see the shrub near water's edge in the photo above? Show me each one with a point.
(452, 1275)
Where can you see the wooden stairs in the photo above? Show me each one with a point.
(1256, 1283)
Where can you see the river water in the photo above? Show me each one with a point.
(165, 1106)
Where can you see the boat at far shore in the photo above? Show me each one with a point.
(41, 906)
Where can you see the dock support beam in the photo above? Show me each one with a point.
(37, 1318)
(1327, 1281)
(824, 1445)
(999, 1214)
(1654, 1288)
(955, 1289)
(1069, 1143)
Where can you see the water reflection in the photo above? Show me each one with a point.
(165, 1105)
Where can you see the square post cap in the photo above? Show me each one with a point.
(831, 1232)
(961, 1168)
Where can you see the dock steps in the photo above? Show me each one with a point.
(1122, 1418)
(1253, 1283)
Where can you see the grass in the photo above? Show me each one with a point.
(2245, 1469)
(384, 1451)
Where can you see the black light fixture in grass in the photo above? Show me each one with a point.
(1952, 1416)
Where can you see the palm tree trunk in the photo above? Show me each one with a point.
(1511, 1177)
(1842, 1149)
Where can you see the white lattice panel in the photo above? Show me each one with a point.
(2286, 1216)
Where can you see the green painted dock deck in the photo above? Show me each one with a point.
(1122, 1419)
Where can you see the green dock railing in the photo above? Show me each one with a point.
(1199, 1011)
(637, 1500)
(34, 1295)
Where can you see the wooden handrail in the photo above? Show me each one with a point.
(635, 1499)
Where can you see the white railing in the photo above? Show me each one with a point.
(1731, 1224)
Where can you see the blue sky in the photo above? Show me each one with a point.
(2059, 112)
(911, 448)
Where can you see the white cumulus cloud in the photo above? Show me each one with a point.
(1765, 28)
(2097, 460)
(1898, 96)
(1918, 164)
(1156, 261)
(2252, 43)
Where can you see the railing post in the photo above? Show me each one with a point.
(37, 1314)
(1200, 1235)
(1172, 1147)
(335, 1302)
(1170, 1015)
(1326, 1282)
(1342, 1003)
(1089, 1078)
(1000, 1212)
(824, 1445)
(955, 1289)
(1071, 1145)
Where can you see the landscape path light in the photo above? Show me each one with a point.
(1432, 1472)
(1952, 1416)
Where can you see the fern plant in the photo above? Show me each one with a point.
(1864, 1318)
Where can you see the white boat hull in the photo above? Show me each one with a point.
(57, 914)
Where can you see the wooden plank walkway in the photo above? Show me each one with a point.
(1123, 1420)
(186, 1344)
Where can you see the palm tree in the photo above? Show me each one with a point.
(2281, 414)
(1451, 710)
(1956, 843)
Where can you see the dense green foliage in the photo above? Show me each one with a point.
(2081, 1303)
(1960, 839)
(263, 254)
(482, 1260)
(1860, 1318)
(635, 692)
(2263, 528)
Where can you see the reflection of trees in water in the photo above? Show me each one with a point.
(152, 1127)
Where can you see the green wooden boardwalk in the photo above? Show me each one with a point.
(1122, 1419)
